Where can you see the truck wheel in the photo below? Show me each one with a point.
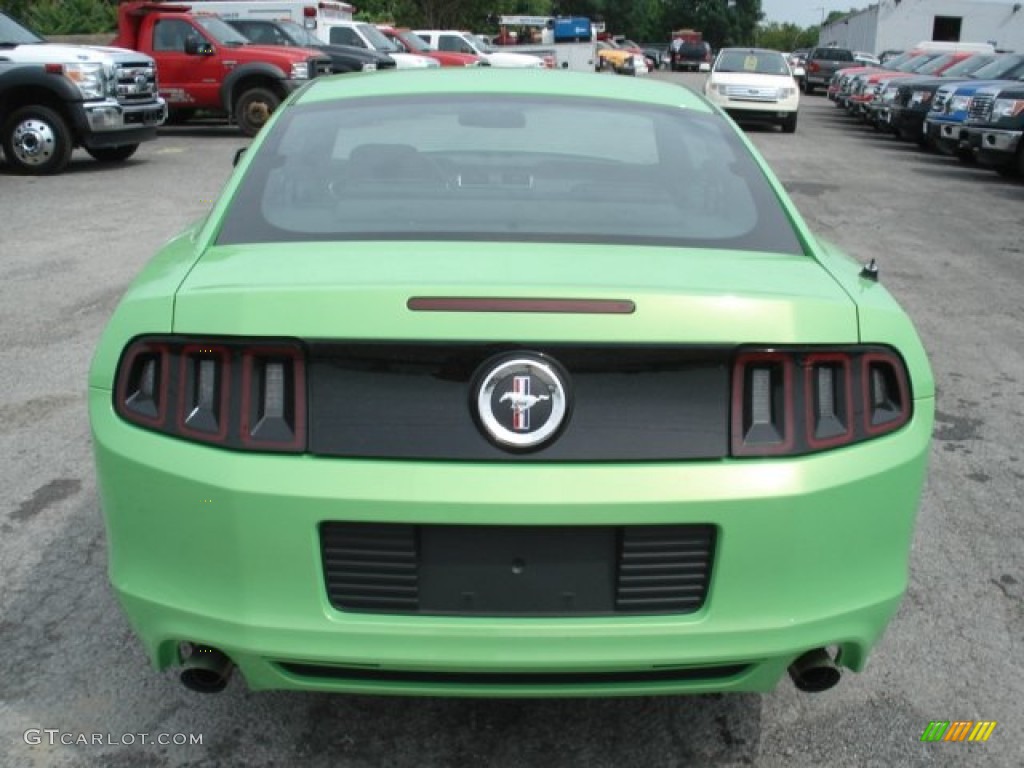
(36, 141)
(789, 124)
(808, 88)
(254, 108)
(113, 154)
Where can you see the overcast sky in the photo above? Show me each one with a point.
(804, 12)
(807, 12)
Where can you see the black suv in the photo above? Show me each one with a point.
(689, 56)
(822, 63)
(344, 58)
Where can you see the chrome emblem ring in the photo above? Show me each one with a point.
(521, 401)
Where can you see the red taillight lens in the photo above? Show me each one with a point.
(838, 397)
(246, 396)
(814, 66)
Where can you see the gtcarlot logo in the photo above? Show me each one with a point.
(54, 736)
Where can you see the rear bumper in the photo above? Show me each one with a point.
(222, 549)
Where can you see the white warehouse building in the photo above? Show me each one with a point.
(900, 24)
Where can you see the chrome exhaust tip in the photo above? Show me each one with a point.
(205, 669)
(814, 672)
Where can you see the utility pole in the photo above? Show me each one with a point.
(822, 24)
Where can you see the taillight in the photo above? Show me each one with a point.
(798, 401)
(230, 393)
(814, 66)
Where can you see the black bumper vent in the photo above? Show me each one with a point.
(371, 567)
(664, 571)
(463, 570)
(364, 674)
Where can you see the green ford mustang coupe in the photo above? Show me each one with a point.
(508, 383)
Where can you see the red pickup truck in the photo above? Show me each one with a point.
(205, 64)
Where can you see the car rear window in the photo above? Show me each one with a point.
(483, 167)
(832, 54)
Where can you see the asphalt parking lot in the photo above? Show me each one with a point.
(950, 245)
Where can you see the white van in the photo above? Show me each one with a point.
(311, 15)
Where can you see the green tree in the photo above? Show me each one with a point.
(786, 37)
(70, 17)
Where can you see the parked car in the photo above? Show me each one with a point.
(995, 125)
(619, 60)
(464, 42)
(55, 97)
(344, 58)
(865, 58)
(691, 56)
(478, 403)
(945, 124)
(651, 57)
(864, 99)
(754, 85)
(821, 64)
(409, 42)
(842, 82)
(907, 101)
(361, 34)
(206, 64)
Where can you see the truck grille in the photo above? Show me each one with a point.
(752, 93)
(466, 570)
(136, 83)
(980, 109)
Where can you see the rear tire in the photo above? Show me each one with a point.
(36, 141)
(113, 154)
(253, 108)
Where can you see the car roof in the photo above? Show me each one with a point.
(751, 50)
(530, 82)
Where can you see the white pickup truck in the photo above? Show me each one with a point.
(464, 42)
(65, 96)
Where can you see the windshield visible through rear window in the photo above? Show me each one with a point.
(486, 167)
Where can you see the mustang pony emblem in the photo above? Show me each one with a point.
(522, 401)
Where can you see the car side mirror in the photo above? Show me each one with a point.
(799, 72)
(195, 46)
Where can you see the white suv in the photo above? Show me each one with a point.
(754, 85)
(463, 42)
